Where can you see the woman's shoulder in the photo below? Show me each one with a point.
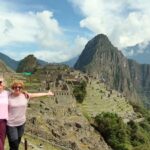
(20, 96)
(24, 95)
(6, 92)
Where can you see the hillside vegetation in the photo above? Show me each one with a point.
(100, 99)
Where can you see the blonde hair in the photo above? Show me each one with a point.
(17, 82)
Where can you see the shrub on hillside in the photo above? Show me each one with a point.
(79, 91)
(113, 130)
(139, 133)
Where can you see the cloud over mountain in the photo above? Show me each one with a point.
(126, 22)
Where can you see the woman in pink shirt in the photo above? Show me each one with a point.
(17, 105)
(3, 112)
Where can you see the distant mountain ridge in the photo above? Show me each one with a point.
(9, 61)
(4, 68)
(139, 52)
(13, 64)
(104, 61)
(71, 62)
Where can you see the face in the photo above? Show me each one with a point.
(17, 89)
(1, 85)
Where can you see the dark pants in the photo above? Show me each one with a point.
(2, 133)
(14, 135)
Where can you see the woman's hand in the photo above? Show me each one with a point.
(50, 93)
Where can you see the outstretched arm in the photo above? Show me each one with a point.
(32, 95)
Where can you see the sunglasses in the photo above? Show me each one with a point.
(17, 87)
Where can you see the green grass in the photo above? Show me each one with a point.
(99, 99)
(35, 141)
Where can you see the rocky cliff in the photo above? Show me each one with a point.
(105, 62)
(140, 75)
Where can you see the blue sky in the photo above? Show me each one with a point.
(57, 30)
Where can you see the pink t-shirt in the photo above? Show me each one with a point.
(4, 104)
(17, 106)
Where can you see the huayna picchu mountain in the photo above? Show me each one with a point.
(105, 62)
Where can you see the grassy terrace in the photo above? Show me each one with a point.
(98, 100)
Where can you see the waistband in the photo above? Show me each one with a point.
(2, 120)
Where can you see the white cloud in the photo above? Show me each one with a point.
(142, 48)
(40, 27)
(51, 56)
(129, 53)
(138, 49)
(126, 22)
(79, 44)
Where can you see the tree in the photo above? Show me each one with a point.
(80, 91)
